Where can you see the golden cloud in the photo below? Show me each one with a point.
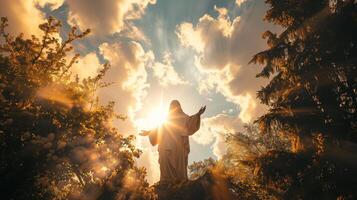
(106, 17)
(223, 49)
(23, 16)
(240, 2)
(129, 75)
(88, 65)
(53, 4)
(165, 72)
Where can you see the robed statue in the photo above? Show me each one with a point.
(173, 143)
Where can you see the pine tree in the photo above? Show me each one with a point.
(311, 96)
(313, 68)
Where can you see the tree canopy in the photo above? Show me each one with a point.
(313, 68)
(311, 95)
(56, 141)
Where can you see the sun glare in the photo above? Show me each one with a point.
(154, 118)
(158, 116)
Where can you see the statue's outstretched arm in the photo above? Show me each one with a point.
(144, 133)
(152, 135)
(202, 110)
(193, 122)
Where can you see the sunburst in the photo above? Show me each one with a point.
(154, 118)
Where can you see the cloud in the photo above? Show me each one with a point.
(23, 16)
(190, 37)
(213, 129)
(223, 49)
(53, 4)
(240, 2)
(129, 77)
(210, 38)
(103, 17)
(88, 65)
(106, 17)
(165, 72)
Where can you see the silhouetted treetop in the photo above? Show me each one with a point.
(56, 140)
(313, 64)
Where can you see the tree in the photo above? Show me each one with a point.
(313, 64)
(242, 160)
(244, 148)
(312, 95)
(238, 168)
(56, 141)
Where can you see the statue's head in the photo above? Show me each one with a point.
(175, 108)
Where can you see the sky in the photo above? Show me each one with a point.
(194, 51)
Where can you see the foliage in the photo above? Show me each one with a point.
(211, 185)
(298, 176)
(244, 148)
(311, 95)
(313, 64)
(56, 141)
(199, 168)
(239, 166)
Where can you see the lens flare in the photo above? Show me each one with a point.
(154, 118)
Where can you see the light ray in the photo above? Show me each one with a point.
(154, 118)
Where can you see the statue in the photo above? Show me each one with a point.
(173, 143)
